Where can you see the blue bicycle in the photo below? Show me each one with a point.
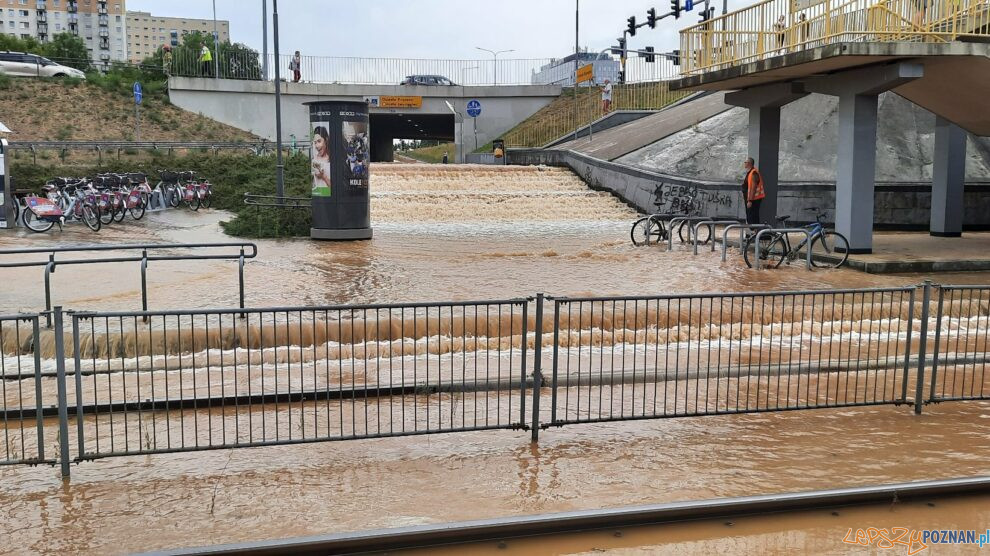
(829, 249)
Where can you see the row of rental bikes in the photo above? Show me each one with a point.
(107, 198)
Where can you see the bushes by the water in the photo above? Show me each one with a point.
(232, 175)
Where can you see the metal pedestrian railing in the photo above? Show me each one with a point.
(775, 27)
(149, 252)
(105, 384)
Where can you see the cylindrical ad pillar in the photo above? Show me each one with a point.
(340, 157)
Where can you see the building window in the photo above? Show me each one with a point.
(58, 15)
(25, 25)
(58, 26)
(23, 2)
(10, 24)
(24, 13)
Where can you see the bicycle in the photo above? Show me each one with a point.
(829, 249)
(652, 229)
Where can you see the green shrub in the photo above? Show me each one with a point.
(5, 81)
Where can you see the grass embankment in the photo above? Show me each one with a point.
(100, 108)
(232, 175)
(433, 155)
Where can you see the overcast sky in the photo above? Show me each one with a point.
(435, 28)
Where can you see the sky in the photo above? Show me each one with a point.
(444, 29)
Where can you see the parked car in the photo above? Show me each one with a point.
(427, 80)
(20, 64)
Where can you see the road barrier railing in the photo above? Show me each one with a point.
(117, 383)
(146, 253)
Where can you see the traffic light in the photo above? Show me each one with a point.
(706, 14)
(675, 8)
(622, 77)
(651, 17)
(650, 58)
(632, 26)
(622, 47)
(675, 57)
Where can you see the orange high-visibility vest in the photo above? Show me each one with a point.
(754, 186)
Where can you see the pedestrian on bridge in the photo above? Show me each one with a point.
(607, 97)
(753, 193)
(296, 66)
(206, 61)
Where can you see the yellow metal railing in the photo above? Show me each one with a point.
(568, 113)
(775, 27)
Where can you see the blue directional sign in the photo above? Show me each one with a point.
(137, 93)
(474, 108)
(688, 5)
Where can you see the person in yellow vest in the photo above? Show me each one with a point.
(753, 192)
(206, 60)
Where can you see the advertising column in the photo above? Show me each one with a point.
(340, 156)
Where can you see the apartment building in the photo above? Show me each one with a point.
(100, 23)
(146, 32)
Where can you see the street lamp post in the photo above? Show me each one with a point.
(279, 166)
(216, 44)
(495, 58)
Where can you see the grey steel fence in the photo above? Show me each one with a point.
(962, 345)
(195, 380)
(620, 358)
(169, 381)
(21, 383)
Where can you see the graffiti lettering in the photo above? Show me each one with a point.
(689, 199)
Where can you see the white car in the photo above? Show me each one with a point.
(19, 64)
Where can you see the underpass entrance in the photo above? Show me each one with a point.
(386, 127)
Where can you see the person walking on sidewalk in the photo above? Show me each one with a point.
(206, 61)
(296, 66)
(753, 193)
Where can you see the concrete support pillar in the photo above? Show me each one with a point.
(764, 147)
(764, 103)
(855, 176)
(458, 141)
(381, 148)
(948, 179)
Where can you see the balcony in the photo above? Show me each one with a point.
(104, 33)
(72, 8)
(104, 20)
(104, 44)
(42, 17)
(42, 28)
(105, 56)
(41, 5)
(73, 19)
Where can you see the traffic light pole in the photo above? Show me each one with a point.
(577, 50)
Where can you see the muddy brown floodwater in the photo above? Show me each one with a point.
(457, 233)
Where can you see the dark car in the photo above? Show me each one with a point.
(427, 80)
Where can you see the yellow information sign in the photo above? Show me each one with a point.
(400, 102)
(585, 73)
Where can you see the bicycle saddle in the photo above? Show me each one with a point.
(784, 218)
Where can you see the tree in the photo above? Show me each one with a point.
(69, 50)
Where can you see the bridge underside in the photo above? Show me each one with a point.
(951, 80)
(386, 127)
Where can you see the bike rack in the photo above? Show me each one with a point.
(711, 226)
(742, 230)
(782, 231)
(51, 263)
(679, 220)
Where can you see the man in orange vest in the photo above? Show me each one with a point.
(753, 193)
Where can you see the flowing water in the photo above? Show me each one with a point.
(455, 233)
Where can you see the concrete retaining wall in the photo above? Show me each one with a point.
(898, 205)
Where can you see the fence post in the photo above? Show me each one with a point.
(63, 411)
(49, 268)
(537, 368)
(556, 351)
(144, 283)
(938, 339)
(240, 277)
(926, 298)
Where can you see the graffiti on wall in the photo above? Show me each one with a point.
(690, 199)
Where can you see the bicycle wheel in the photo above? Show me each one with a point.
(120, 211)
(207, 198)
(194, 202)
(772, 251)
(106, 214)
(173, 196)
(647, 230)
(704, 234)
(91, 217)
(35, 224)
(137, 211)
(829, 250)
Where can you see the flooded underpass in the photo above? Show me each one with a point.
(454, 235)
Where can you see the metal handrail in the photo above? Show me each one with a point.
(742, 230)
(253, 200)
(711, 226)
(760, 233)
(51, 263)
(679, 220)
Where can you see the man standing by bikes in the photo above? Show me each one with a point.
(753, 193)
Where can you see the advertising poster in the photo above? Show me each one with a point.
(357, 146)
(320, 156)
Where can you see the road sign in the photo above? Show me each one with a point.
(474, 108)
(137, 93)
(688, 5)
(586, 73)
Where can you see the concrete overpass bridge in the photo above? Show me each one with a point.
(932, 52)
(402, 111)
